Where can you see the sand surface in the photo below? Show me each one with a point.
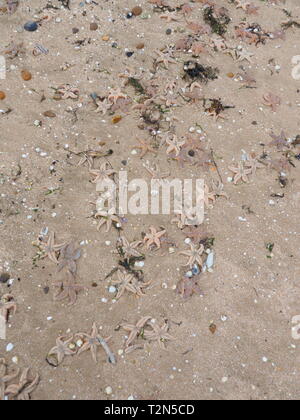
(235, 340)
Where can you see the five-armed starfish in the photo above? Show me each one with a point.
(145, 148)
(92, 342)
(102, 175)
(153, 238)
(135, 330)
(51, 249)
(107, 217)
(240, 173)
(195, 255)
(62, 349)
(129, 249)
(68, 289)
(159, 334)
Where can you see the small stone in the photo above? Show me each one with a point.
(112, 289)
(137, 11)
(15, 360)
(230, 75)
(4, 277)
(9, 347)
(31, 26)
(168, 31)
(26, 75)
(140, 46)
(79, 343)
(75, 30)
(93, 26)
(108, 390)
(2, 96)
(49, 114)
(105, 38)
(129, 54)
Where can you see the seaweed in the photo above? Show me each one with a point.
(136, 84)
(195, 70)
(217, 24)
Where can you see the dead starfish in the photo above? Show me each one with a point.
(175, 145)
(115, 95)
(5, 378)
(159, 334)
(135, 330)
(164, 58)
(279, 141)
(240, 173)
(129, 249)
(7, 304)
(24, 388)
(145, 148)
(272, 101)
(102, 106)
(187, 287)
(67, 91)
(127, 282)
(218, 189)
(92, 342)
(154, 237)
(69, 254)
(62, 349)
(194, 255)
(107, 217)
(51, 249)
(102, 175)
(209, 196)
(253, 164)
(68, 289)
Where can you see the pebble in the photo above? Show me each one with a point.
(112, 289)
(93, 26)
(49, 114)
(31, 26)
(2, 96)
(26, 75)
(137, 11)
(9, 347)
(108, 390)
(140, 46)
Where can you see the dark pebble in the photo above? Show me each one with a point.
(4, 277)
(168, 31)
(75, 30)
(129, 54)
(31, 26)
(129, 15)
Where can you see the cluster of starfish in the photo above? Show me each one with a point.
(64, 256)
(146, 329)
(21, 390)
(77, 344)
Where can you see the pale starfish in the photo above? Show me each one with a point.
(102, 175)
(279, 141)
(194, 255)
(51, 249)
(209, 196)
(62, 349)
(159, 334)
(69, 254)
(107, 217)
(102, 106)
(5, 378)
(175, 145)
(242, 4)
(240, 173)
(92, 342)
(115, 95)
(154, 237)
(272, 101)
(155, 171)
(180, 220)
(68, 289)
(135, 330)
(129, 249)
(186, 287)
(67, 91)
(243, 54)
(253, 163)
(218, 189)
(24, 388)
(127, 282)
(145, 148)
(165, 59)
(7, 304)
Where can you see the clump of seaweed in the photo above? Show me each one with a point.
(217, 21)
(195, 70)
